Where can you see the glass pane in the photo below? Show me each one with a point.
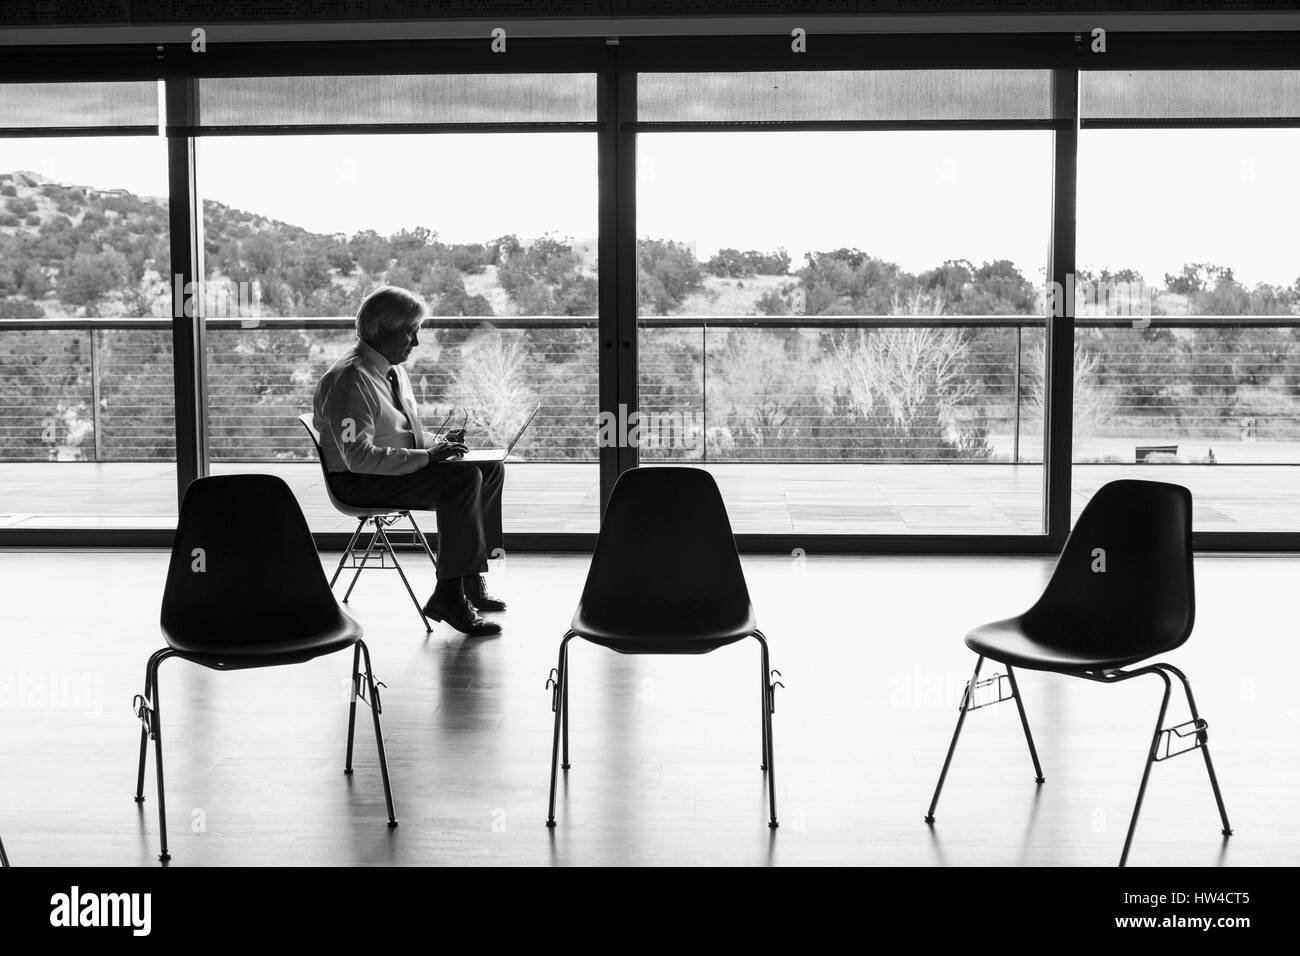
(787, 96)
(76, 105)
(87, 424)
(1200, 384)
(442, 98)
(1189, 94)
(298, 229)
(845, 327)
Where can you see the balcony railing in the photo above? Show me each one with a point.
(718, 389)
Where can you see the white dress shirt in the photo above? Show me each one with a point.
(361, 428)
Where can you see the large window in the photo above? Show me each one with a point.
(1187, 365)
(840, 279)
(846, 327)
(495, 230)
(87, 430)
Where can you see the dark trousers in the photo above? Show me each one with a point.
(465, 494)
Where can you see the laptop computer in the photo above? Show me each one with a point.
(500, 454)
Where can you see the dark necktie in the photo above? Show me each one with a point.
(397, 396)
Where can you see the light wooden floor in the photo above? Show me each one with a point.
(665, 750)
(761, 498)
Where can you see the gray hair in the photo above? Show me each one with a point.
(388, 308)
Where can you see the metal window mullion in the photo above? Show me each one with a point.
(185, 222)
(616, 335)
(1058, 440)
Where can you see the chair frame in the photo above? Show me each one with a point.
(558, 684)
(1196, 729)
(381, 518)
(4, 858)
(148, 709)
(379, 546)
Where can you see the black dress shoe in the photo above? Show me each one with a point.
(477, 592)
(461, 615)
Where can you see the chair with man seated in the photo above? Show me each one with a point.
(245, 589)
(1121, 593)
(665, 578)
(379, 546)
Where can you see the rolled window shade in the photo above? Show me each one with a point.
(398, 100)
(845, 95)
(85, 105)
(1171, 95)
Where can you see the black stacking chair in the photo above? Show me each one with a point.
(665, 578)
(1121, 593)
(245, 589)
(380, 546)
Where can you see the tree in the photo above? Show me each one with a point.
(729, 264)
(763, 386)
(1196, 277)
(911, 386)
(546, 278)
(1094, 404)
(89, 277)
(491, 382)
(444, 288)
(667, 273)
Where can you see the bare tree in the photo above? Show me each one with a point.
(1093, 403)
(763, 383)
(491, 383)
(917, 375)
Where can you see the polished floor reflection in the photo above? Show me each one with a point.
(665, 750)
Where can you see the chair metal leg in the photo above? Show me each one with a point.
(966, 700)
(4, 857)
(144, 736)
(370, 547)
(1146, 769)
(352, 707)
(1024, 722)
(155, 731)
(376, 708)
(1204, 748)
(564, 717)
(347, 551)
(769, 706)
(423, 540)
(763, 705)
(388, 546)
(147, 709)
(556, 684)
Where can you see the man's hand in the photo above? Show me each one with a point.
(458, 436)
(445, 450)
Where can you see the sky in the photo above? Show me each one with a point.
(1148, 199)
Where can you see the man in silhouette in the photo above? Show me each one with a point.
(378, 456)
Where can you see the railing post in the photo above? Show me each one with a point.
(1015, 401)
(95, 397)
(704, 390)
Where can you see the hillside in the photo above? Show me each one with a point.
(72, 251)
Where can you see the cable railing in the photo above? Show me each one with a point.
(917, 388)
